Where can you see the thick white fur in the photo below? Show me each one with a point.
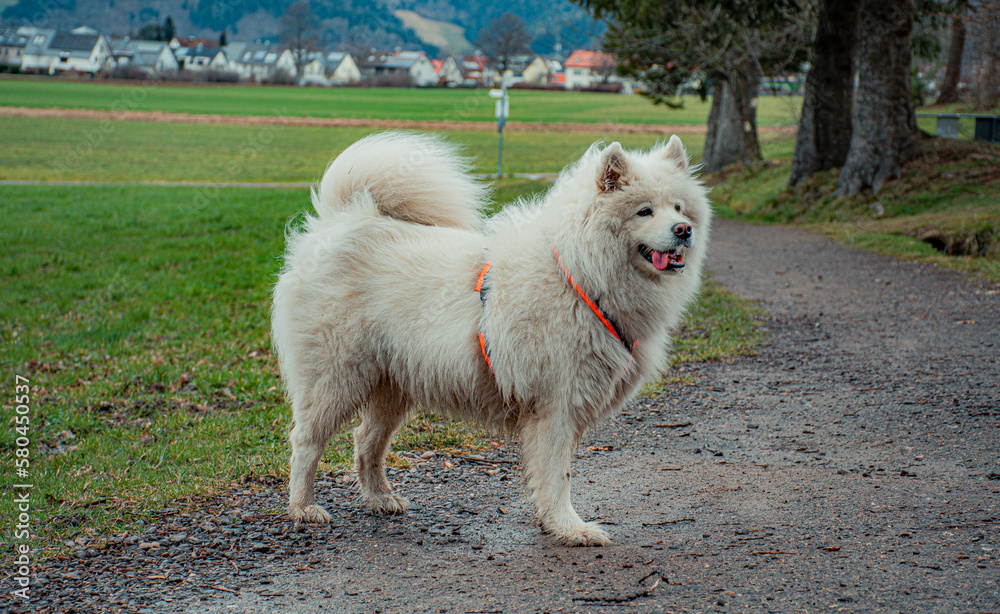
(376, 313)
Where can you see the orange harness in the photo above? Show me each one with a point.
(481, 289)
(484, 347)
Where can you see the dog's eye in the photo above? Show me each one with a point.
(677, 208)
(645, 211)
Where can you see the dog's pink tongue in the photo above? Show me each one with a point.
(660, 259)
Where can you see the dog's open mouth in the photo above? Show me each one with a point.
(669, 260)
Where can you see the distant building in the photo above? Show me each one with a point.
(399, 67)
(448, 72)
(82, 51)
(12, 44)
(199, 59)
(416, 64)
(179, 42)
(541, 71)
(334, 68)
(476, 71)
(514, 73)
(261, 62)
(585, 68)
(148, 57)
(345, 69)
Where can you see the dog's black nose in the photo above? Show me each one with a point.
(682, 230)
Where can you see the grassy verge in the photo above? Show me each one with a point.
(140, 316)
(90, 150)
(944, 209)
(368, 103)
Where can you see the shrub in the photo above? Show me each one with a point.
(221, 76)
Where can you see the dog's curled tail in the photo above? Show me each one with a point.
(409, 177)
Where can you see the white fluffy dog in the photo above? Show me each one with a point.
(541, 321)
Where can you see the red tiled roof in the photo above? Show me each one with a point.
(187, 41)
(582, 58)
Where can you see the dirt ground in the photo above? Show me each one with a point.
(852, 465)
(349, 122)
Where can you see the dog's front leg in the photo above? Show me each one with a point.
(547, 444)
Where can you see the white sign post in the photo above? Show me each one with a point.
(502, 111)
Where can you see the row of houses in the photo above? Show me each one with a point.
(86, 51)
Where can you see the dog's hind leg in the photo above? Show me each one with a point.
(547, 444)
(380, 419)
(316, 419)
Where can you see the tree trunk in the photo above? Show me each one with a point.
(732, 120)
(824, 136)
(953, 72)
(721, 142)
(885, 128)
(745, 83)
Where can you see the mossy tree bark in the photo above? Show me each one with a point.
(732, 121)
(885, 128)
(953, 71)
(825, 129)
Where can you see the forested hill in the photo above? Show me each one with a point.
(349, 23)
(554, 22)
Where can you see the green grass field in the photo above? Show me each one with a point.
(92, 150)
(58, 149)
(369, 103)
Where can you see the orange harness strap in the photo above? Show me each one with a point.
(482, 278)
(586, 299)
(481, 288)
(603, 317)
(485, 350)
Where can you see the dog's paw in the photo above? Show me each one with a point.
(309, 513)
(583, 534)
(388, 504)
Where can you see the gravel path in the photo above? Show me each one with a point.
(853, 465)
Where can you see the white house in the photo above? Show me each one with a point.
(345, 69)
(260, 62)
(233, 52)
(585, 68)
(82, 50)
(477, 72)
(412, 66)
(515, 68)
(541, 71)
(149, 57)
(416, 64)
(12, 44)
(199, 59)
(448, 72)
(315, 71)
(334, 68)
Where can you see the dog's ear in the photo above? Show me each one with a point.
(674, 152)
(613, 172)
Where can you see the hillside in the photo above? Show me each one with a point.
(428, 24)
(345, 22)
(441, 34)
(555, 24)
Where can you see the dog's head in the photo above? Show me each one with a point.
(654, 205)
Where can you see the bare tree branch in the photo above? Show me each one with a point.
(505, 37)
